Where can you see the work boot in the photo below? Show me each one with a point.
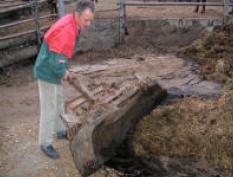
(50, 151)
(62, 134)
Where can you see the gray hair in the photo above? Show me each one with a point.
(83, 5)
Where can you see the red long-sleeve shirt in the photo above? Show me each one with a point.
(62, 35)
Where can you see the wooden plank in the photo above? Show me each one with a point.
(121, 101)
(25, 21)
(77, 103)
(108, 99)
(82, 89)
(19, 7)
(16, 35)
(18, 55)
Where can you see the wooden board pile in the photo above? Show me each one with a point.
(102, 104)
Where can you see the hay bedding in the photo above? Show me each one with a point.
(194, 128)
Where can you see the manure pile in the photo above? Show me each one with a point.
(214, 53)
(194, 135)
(191, 128)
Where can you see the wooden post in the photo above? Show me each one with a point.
(61, 8)
(37, 23)
(122, 21)
(226, 11)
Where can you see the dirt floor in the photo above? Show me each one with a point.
(19, 104)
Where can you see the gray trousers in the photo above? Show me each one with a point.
(51, 107)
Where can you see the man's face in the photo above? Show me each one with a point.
(84, 19)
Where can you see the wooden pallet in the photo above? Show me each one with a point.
(104, 102)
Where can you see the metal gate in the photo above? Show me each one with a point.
(226, 4)
(23, 23)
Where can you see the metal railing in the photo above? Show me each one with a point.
(123, 3)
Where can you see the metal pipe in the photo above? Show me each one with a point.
(15, 35)
(108, 10)
(20, 7)
(61, 8)
(37, 22)
(122, 21)
(25, 21)
(226, 10)
(133, 3)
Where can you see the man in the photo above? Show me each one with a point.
(51, 68)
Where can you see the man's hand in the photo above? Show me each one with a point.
(67, 76)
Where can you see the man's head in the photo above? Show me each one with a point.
(84, 13)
